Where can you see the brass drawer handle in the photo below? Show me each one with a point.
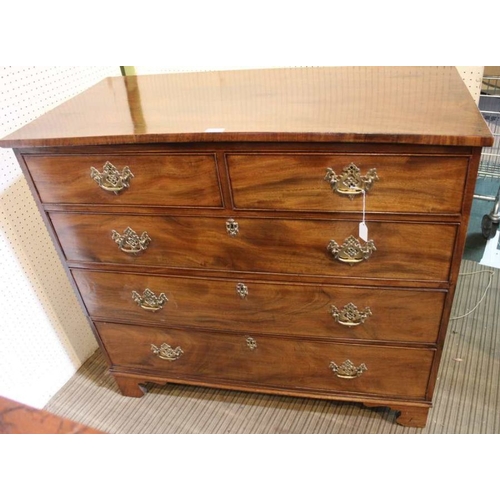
(351, 251)
(130, 241)
(111, 179)
(149, 301)
(350, 182)
(167, 352)
(347, 369)
(350, 315)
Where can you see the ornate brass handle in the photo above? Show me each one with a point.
(130, 241)
(167, 352)
(350, 315)
(347, 369)
(351, 251)
(111, 179)
(350, 182)
(149, 301)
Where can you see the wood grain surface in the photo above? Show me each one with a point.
(275, 362)
(410, 251)
(161, 179)
(297, 310)
(415, 105)
(406, 183)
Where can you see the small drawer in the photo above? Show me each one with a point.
(399, 250)
(298, 309)
(305, 182)
(269, 362)
(141, 179)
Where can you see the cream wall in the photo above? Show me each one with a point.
(44, 336)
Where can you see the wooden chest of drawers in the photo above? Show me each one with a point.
(211, 225)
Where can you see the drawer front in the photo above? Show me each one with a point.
(406, 184)
(282, 308)
(158, 180)
(408, 251)
(269, 361)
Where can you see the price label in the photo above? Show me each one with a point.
(363, 231)
(363, 228)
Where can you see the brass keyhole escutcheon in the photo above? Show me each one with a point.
(251, 343)
(232, 227)
(242, 290)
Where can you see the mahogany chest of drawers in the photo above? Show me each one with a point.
(289, 231)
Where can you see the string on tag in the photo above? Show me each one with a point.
(363, 228)
(364, 206)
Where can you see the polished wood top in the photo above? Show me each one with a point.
(413, 105)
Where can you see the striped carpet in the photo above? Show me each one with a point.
(466, 400)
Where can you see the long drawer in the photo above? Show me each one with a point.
(151, 180)
(269, 362)
(400, 250)
(404, 184)
(302, 310)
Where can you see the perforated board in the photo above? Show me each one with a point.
(472, 77)
(44, 336)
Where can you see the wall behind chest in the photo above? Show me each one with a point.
(44, 336)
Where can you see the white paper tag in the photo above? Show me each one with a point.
(363, 228)
(363, 231)
(215, 130)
